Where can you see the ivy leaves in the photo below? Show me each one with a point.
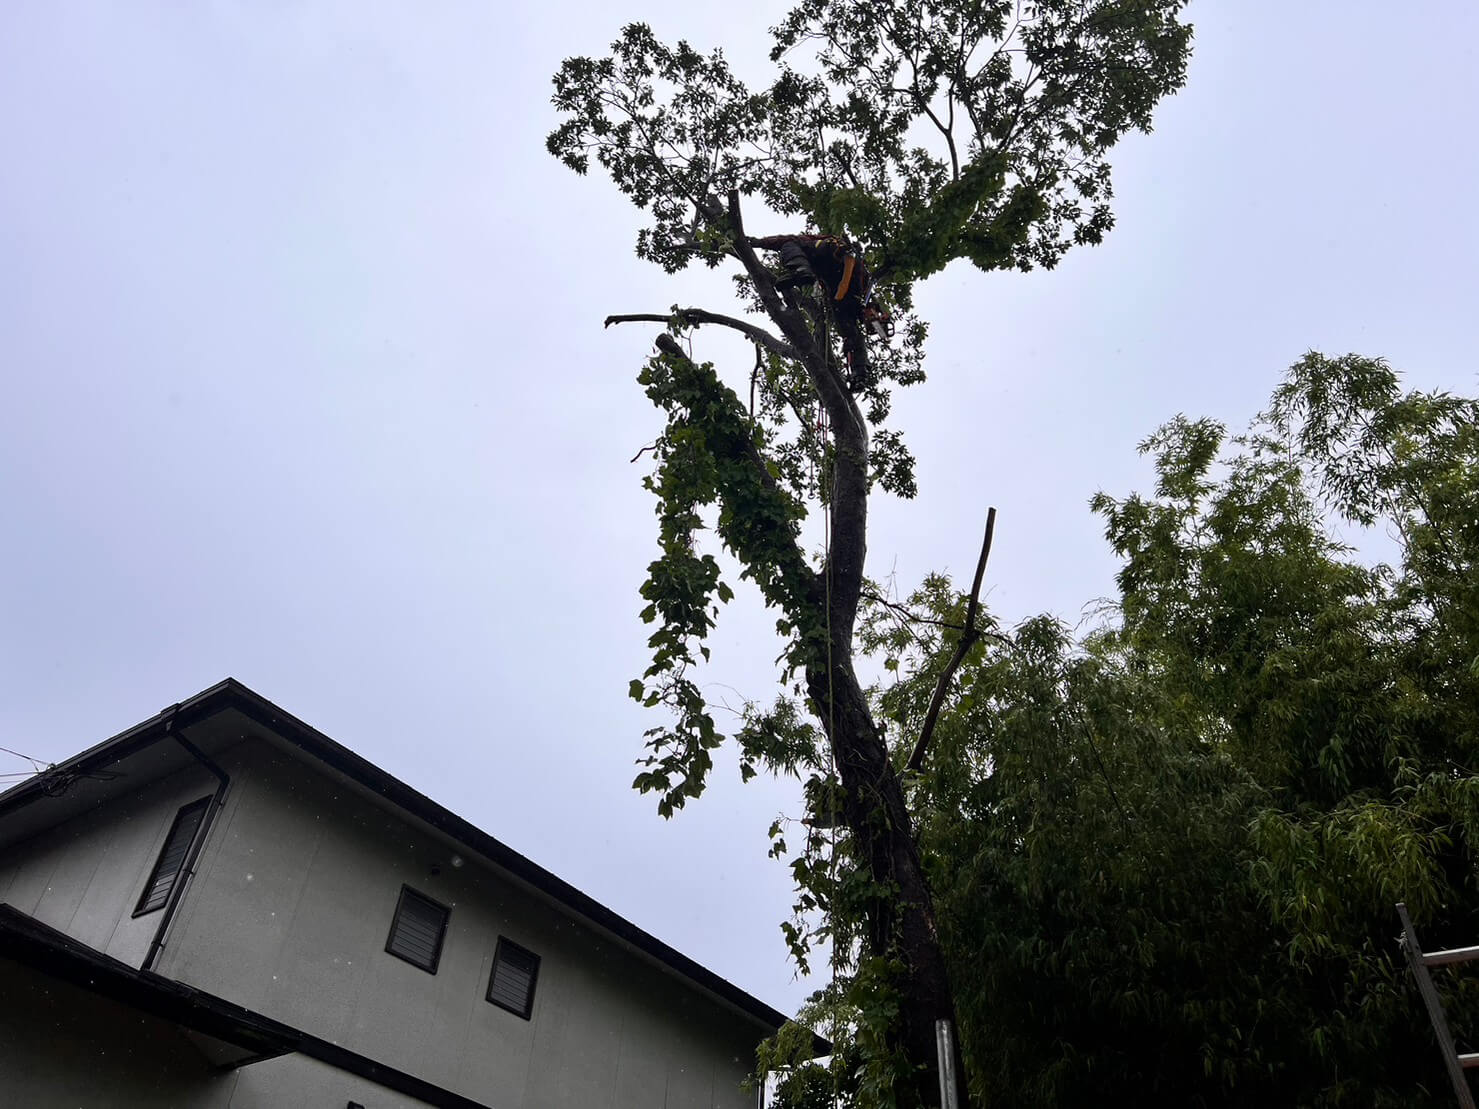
(707, 456)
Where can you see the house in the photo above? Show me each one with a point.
(223, 907)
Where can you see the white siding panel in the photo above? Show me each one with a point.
(34, 863)
(239, 911)
(84, 876)
(291, 918)
(296, 1080)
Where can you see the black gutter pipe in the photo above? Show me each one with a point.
(187, 869)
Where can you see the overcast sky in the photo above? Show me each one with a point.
(305, 383)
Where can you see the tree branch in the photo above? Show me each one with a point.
(841, 408)
(908, 613)
(791, 322)
(909, 616)
(967, 640)
(697, 316)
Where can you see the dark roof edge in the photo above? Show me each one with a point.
(37, 945)
(231, 693)
(204, 704)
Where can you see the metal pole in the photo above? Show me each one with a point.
(1434, 1005)
(945, 1049)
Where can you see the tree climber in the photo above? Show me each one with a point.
(838, 267)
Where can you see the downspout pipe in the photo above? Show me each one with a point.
(192, 856)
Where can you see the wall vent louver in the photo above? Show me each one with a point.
(511, 983)
(172, 857)
(417, 931)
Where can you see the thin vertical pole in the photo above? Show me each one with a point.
(1434, 1005)
(945, 1049)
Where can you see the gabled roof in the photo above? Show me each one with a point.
(90, 769)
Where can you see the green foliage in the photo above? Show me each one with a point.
(1019, 103)
(1166, 855)
(706, 455)
(929, 131)
(781, 740)
(808, 1086)
(802, 1083)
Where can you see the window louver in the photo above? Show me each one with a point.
(417, 931)
(172, 857)
(511, 984)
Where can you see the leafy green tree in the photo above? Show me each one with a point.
(931, 132)
(809, 1086)
(1169, 853)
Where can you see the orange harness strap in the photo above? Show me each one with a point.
(848, 264)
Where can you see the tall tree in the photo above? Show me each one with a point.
(931, 132)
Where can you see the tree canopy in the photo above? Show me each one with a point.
(1168, 852)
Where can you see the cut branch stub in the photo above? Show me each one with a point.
(694, 317)
(967, 640)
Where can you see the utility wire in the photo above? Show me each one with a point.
(38, 763)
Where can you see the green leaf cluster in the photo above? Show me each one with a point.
(929, 131)
(1167, 854)
(706, 456)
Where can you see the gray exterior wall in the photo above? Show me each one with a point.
(288, 915)
(84, 877)
(296, 1080)
(63, 1047)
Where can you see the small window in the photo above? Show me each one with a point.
(417, 931)
(511, 984)
(172, 857)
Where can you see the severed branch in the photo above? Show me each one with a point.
(967, 639)
(696, 316)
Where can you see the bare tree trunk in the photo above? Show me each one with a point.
(871, 785)
(907, 924)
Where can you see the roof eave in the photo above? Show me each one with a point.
(230, 693)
